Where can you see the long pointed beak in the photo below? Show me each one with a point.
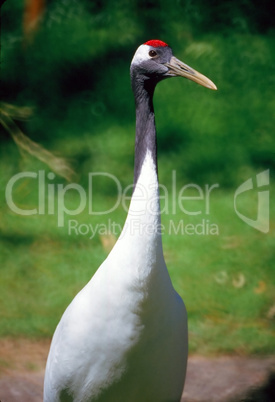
(178, 68)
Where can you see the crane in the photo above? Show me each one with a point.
(124, 336)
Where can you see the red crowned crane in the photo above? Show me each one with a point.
(123, 338)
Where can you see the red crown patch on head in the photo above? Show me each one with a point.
(155, 43)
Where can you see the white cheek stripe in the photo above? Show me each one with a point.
(142, 54)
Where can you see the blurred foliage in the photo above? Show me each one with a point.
(74, 70)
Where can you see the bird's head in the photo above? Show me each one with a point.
(154, 61)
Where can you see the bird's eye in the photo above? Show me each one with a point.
(152, 53)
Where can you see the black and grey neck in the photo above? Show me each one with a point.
(143, 89)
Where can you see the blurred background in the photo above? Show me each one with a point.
(67, 108)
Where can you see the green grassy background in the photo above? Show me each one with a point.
(75, 75)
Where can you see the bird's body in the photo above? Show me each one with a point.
(124, 336)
